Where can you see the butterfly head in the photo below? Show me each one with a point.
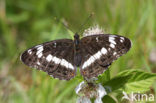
(76, 38)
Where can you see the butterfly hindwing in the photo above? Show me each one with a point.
(94, 68)
(55, 57)
(100, 51)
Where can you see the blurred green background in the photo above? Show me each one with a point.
(25, 23)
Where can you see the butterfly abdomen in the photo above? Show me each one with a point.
(77, 58)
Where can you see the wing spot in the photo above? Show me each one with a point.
(72, 74)
(97, 39)
(38, 46)
(121, 40)
(38, 63)
(113, 36)
(89, 61)
(39, 51)
(64, 63)
(56, 60)
(111, 39)
(112, 45)
(55, 45)
(97, 55)
(49, 58)
(70, 66)
(30, 51)
(114, 53)
(40, 55)
(103, 51)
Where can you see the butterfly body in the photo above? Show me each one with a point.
(92, 54)
(77, 52)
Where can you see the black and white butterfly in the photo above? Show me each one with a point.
(93, 54)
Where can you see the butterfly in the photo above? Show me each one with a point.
(93, 54)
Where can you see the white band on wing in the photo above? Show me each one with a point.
(96, 56)
(62, 62)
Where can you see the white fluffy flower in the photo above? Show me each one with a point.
(86, 91)
(83, 100)
(93, 31)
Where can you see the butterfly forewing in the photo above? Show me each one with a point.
(55, 57)
(100, 51)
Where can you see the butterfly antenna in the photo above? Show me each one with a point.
(85, 22)
(64, 23)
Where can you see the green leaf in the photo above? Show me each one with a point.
(140, 81)
(104, 77)
(131, 81)
(116, 83)
(108, 99)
